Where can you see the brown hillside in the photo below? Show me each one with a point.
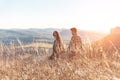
(112, 41)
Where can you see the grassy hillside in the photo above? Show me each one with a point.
(110, 42)
(32, 63)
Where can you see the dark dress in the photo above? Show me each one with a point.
(58, 48)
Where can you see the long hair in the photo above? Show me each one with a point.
(57, 36)
(57, 46)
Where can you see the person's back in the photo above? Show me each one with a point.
(75, 45)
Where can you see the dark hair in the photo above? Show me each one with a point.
(74, 30)
(57, 35)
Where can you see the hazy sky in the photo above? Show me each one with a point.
(84, 14)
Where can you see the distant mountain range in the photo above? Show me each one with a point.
(44, 35)
(86, 36)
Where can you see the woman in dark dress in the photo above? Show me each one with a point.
(58, 47)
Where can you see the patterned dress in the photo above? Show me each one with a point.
(58, 48)
(75, 45)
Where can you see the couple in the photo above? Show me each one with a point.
(75, 45)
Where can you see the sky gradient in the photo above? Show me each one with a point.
(96, 15)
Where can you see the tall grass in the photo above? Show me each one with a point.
(31, 63)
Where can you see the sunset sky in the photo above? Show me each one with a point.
(96, 15)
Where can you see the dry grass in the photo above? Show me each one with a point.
(32, 63)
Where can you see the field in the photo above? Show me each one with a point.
(31, 62)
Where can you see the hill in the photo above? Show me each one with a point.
(43, 35)
(111, 42)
